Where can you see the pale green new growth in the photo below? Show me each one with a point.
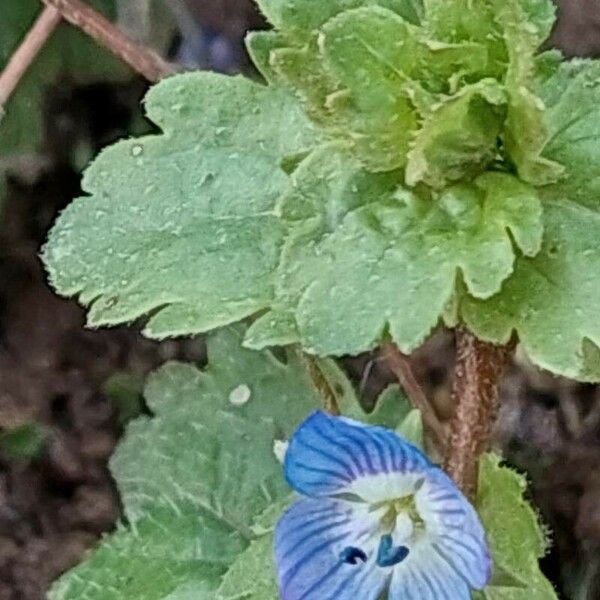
(195, 476)
(458, 137)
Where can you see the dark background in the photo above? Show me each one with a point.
(66, 392)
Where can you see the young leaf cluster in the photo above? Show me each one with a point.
(202, 488)
(408, 161)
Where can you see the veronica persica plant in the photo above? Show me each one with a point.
(378, 517)
(403, 163)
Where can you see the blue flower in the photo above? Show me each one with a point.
(378, 517)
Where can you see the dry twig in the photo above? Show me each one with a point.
(144, 60)
(25, 54)
(400, 365)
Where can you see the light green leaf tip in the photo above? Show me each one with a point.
(459, 136)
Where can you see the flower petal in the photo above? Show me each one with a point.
(311, 541)
(426, 576)
(333, 455)
(454, 530)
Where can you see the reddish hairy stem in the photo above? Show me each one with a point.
(400, 365)
(144, 60)
(479, 366)
(25, 54)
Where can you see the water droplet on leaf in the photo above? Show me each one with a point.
(240, 395)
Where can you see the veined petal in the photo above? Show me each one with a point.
(453, 529)
(426, 576)
(310, 544)
(334, 455)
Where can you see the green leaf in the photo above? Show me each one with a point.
(373, 53)
(411, 428)
(252, 576)
(551, 299)
(69, 54)
(465, 20)
(305, 16)
(166, 548)
(459, 137)
(541, 14)
(526, 130)
(22, 443)
(260, 46)
(339, 385)
(374, 245)
(572, 98)
(478, 19)
(183, 224)
(194, 477)
(516, 539)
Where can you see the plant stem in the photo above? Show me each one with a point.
(144, 60)
(330, 403)
(479, 366)
(400, 365)
(25, 54)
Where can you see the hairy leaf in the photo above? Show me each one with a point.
(373, 245)
(373, 53)
(526, 130)
(194, 477)
(516, 539)
(467, 20)
(252, 576)
(166, 548)
(182, 224)
(572, 97)
(305, 16)
(552, 300)
(69, 54)
(459, 136)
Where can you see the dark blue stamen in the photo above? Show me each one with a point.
(389, 555)
(352, 555)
